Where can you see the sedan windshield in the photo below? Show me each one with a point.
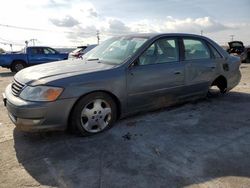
(115, 50)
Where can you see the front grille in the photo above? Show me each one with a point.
(16, 87)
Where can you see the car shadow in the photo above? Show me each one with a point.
(6, 74)
(180, 146)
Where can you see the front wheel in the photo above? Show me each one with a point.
(17, 66)
(93, 114)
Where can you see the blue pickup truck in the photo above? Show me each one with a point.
(32, 55)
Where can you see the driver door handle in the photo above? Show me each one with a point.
(177, 72)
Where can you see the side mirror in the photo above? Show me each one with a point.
(135, 63)
(132, 65)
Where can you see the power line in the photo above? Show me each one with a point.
(8, 42)
(43, 30)
(11, 43)
(4, 39)
(23, 28)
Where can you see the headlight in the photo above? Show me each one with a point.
(41, 93)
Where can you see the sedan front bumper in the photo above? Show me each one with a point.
(37, 116)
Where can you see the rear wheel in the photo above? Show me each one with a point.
(17, 66)
(213, 91)
(93, 114)
(218, 87)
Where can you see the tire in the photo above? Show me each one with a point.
(92, 114)
(17, 66)
(214, 91)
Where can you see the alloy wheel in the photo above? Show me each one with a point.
(96, 115)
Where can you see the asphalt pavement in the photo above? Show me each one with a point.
(203, 144)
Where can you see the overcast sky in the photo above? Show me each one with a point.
(69, 23)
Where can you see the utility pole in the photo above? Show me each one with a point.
(26, 43)
(98, 36)
(201, 32)
(232, 37)
(33, 41)
(11, 47)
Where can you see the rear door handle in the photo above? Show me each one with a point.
(177, 72)
(131, 73)
(212, 67)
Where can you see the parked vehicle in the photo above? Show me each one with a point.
(30, 56)
(245, 56)
(122, 76)
(235, 47)
(81, 50)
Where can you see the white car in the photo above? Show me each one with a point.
(80, 51)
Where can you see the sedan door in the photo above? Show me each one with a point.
(157, 77)
(201, 67)
(36, 55)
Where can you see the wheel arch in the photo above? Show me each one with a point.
(18, 60)
(21, 61)
(221, 83)
(113, 96)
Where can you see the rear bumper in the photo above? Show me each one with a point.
(37, 116)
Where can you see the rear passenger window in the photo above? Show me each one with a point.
(215, 52)
(161, 51)
(35, 51)
(195, 49)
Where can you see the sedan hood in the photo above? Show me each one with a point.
(60, 69)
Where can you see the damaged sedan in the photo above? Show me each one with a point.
(122, 76)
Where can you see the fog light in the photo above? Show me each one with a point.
(36, 121)
(22, 121)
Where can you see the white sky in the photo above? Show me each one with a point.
(70, 23)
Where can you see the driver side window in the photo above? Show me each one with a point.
(161, 51)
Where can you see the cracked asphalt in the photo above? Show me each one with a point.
(203, 144)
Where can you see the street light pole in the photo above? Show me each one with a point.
(232, 37)
(98, 36)
(201, 32)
